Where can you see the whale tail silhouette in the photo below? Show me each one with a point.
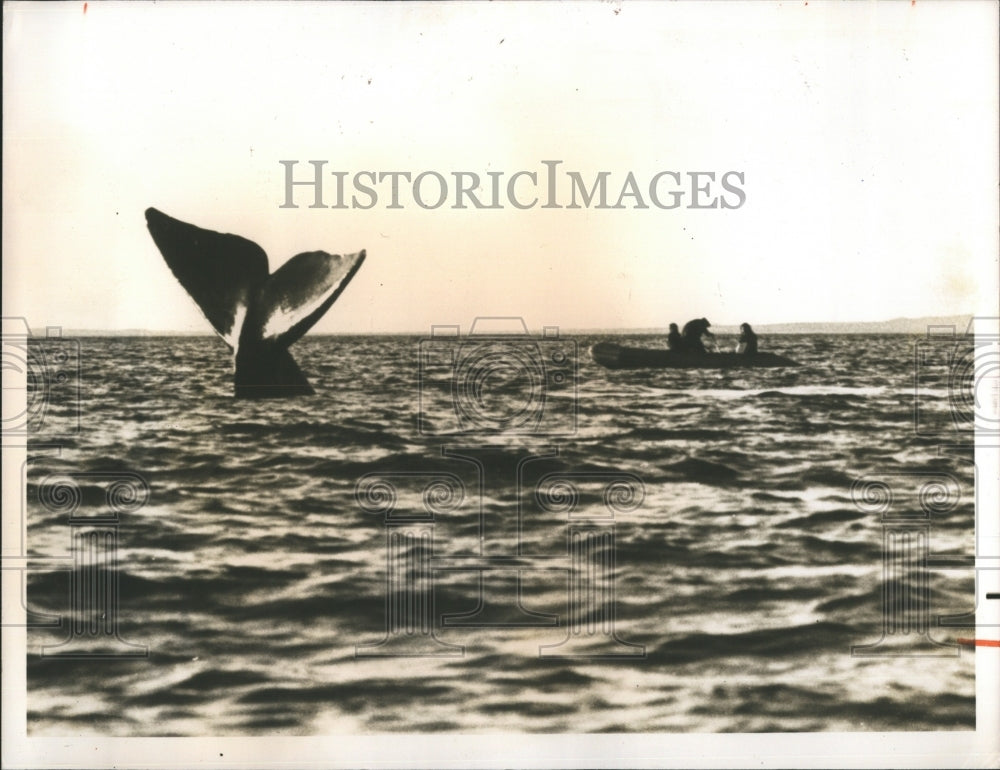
(258, 314)
(268, 371)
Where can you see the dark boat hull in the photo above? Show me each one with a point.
(615, 356)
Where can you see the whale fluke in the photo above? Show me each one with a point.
(257, 314)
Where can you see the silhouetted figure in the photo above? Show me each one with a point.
(674, 339)
(692, 334)
(748, 341)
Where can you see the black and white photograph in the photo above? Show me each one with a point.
(559, 384)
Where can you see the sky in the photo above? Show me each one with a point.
(865, 135)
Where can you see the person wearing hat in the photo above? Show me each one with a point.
(693, 332)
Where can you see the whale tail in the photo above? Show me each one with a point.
(259, 315)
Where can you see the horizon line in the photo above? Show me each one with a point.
(793, 327)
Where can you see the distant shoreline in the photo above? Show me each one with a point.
(902, 326)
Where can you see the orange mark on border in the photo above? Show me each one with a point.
(84, 7)
(979, 642)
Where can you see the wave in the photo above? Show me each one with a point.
(255, 568)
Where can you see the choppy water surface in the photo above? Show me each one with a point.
(743, 570)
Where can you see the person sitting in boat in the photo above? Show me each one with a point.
(674, 339)
(748, 341)
(692, 333)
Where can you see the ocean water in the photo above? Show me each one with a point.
(550, 549)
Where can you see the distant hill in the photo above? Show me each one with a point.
(892, 326)
(913, 326)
